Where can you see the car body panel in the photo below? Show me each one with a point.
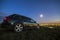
(30, 24)
(14, 19)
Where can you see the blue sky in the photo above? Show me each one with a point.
(33, 8)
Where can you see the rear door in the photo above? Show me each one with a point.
(30, 22)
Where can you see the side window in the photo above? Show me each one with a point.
(32, 21)
(15, 17)
(28, 20)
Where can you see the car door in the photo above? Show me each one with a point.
(30, 23)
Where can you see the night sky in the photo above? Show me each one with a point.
(33, 8)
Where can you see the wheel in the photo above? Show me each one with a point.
(18, 28)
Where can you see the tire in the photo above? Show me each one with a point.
(18, 27)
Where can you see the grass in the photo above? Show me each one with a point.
(43, 33)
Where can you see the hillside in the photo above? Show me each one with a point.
(32, 34)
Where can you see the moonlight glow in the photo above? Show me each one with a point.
(41, 15)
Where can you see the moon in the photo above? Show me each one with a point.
(41, 15)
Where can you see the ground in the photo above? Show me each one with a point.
(43, 33)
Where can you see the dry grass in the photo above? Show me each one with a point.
(32, 34)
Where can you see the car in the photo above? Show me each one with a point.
(18, 23)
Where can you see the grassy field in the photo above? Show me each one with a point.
(43, 33)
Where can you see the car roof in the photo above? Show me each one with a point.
(20, 16)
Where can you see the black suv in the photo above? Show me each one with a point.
(18, 23)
